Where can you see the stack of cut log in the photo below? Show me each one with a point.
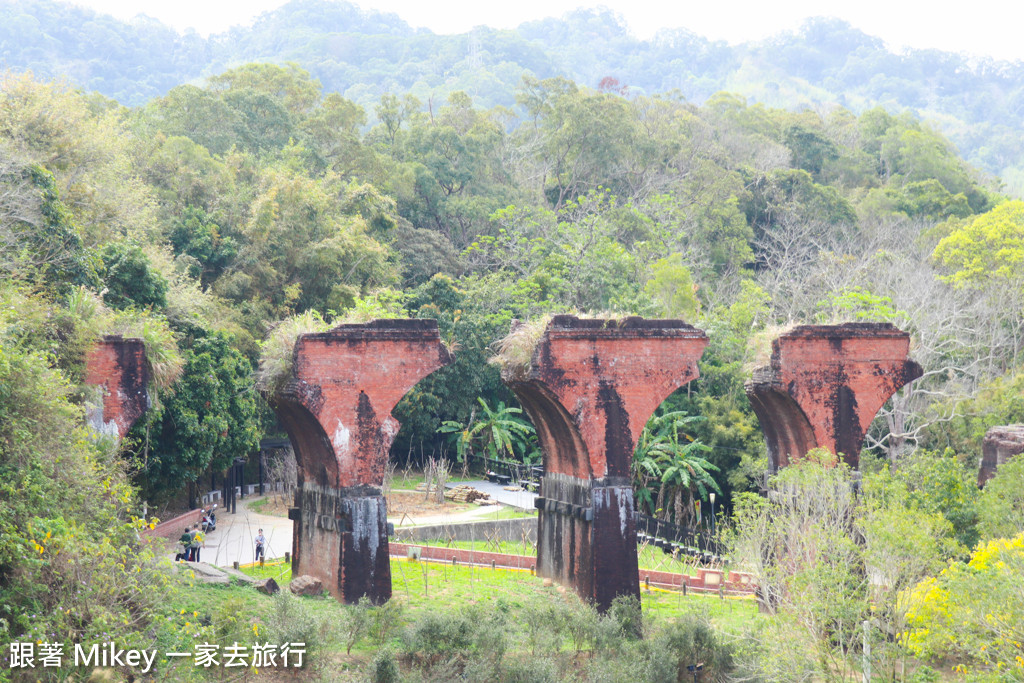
(464, 493)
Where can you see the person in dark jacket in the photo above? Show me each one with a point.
(186, 543)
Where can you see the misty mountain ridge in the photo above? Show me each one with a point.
(977, 102)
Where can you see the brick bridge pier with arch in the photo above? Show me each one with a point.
(590, 388)
(825, 384)
(118, 367)
(336, 409)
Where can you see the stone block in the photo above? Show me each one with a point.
(306, 585)
(267, 586)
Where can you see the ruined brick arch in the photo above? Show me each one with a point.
(824, 386)
(590, 389)
(561, 444)
(313, 453)
(784, 424)
(1000, 445)
(118, 367)
(336, 409)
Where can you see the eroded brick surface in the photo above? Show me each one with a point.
(824, 386)
(337, 412)
(1000, 444)
(591, 387)
(118, 367)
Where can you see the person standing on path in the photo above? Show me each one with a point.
(261, 543)
(198, 541)
(186, 546)
(190, 549)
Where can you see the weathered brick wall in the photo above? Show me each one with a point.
(118, 367)
(337, 412)
(173, 528)
(824, 386)
(590, 389)
(1000, 444)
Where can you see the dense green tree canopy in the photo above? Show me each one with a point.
(209, 420)
(406, 174)
(362, 54)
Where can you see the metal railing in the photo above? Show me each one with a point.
(511, 472)
(671, 537)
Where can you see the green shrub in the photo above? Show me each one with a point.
(385, 668)
(533, 670)
(1001, 507)
(278, 350)
(163, 358)
(637, 664)
(925, 674)
(385, 620)
(690, 640)
(542, 621)
(358, 621)
(515, 351)
(490, 633)
(439, 637)
(582, 624)
(292, 621)
(625, 611)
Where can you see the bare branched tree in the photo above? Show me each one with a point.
(962, 338)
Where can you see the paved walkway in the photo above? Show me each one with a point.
(234, 538)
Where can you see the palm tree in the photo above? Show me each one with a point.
(498, 432)
(671, 460)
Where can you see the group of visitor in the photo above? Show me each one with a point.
(192, 540)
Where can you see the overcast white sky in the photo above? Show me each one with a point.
(980, 27)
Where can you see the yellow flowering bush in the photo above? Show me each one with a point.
(973, 612)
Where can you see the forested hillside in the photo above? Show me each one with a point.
(218, 211)
(364, 54)
(223, 217)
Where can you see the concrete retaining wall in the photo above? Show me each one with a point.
(502, 530)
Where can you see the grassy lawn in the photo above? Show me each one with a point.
(197, 613)
(508, 512)
(423, 587)
(410, 479)
(260, 506)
